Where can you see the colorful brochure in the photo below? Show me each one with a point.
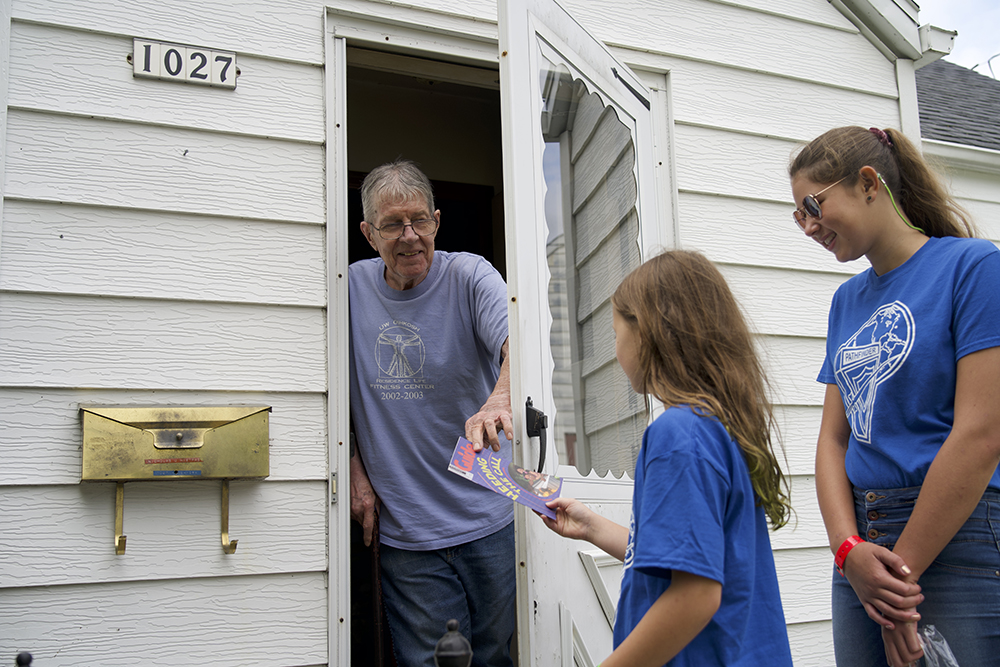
(499, 474)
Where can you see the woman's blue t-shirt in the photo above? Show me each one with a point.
(893, 346)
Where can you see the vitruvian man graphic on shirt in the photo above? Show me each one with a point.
(869, 358)
(399, 352)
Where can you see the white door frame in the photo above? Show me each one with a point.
(338, 364)
(5, 13)
(553, 572)
(380, 26)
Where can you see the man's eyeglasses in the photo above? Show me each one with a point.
(391, 231)
(810, 207)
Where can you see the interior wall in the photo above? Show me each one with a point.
(451, 130)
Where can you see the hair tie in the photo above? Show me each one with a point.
(882, 136)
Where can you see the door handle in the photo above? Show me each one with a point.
(536, 423)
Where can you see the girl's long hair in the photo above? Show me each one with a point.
(695, 348)
(842, 152)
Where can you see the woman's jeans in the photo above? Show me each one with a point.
(961, 587)
(473, 583)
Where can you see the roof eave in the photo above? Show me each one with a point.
(891, 25)
(962, 156)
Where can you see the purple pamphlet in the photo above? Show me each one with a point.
(499, 474)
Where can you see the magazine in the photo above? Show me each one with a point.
(499, 474)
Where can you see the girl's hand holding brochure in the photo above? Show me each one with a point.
(577, 521)
(573, 518)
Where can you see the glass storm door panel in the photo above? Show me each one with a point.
(580, 206)
(591, 244)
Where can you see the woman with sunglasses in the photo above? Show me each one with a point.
(906, 462)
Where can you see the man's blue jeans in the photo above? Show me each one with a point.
(961, 588)
(473, 583)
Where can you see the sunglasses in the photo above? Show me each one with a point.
(810, 207)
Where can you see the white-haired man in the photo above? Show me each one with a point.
(428, 349)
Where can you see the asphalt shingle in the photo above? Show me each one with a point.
(958, 105)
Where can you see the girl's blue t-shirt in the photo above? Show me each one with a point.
(694, 510)
(893, 346)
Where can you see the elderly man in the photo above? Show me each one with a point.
(428, 349)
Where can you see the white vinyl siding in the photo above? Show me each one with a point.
(972, 175)
(102, 162)
(282, 102)
(41, 446)
(92, 250)
(163, 244)
(224, 622)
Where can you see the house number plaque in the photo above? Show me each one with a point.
(187, 64)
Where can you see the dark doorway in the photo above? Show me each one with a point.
(466, 219)
(444, 116)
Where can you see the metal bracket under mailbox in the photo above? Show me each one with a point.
(228, 546)
(144, 443)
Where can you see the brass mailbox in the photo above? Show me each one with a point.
(125, 444)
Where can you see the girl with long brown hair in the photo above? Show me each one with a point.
(906, 461)
(699, 586)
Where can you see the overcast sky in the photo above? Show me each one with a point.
(978, 26)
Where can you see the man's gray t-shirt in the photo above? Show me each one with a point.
(423, 361)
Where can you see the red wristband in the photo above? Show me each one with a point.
(845, 548)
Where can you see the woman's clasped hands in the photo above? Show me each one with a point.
(887, 589)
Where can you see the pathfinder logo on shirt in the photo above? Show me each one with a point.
(630, 549)
(870, 357)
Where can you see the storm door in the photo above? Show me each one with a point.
(580, 207)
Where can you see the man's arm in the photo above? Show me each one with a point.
(364, 501)
(495, 413)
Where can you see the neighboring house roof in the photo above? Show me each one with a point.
(958, 105)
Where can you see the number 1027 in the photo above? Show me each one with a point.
(188, 64)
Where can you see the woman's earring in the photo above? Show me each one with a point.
(869, 197)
